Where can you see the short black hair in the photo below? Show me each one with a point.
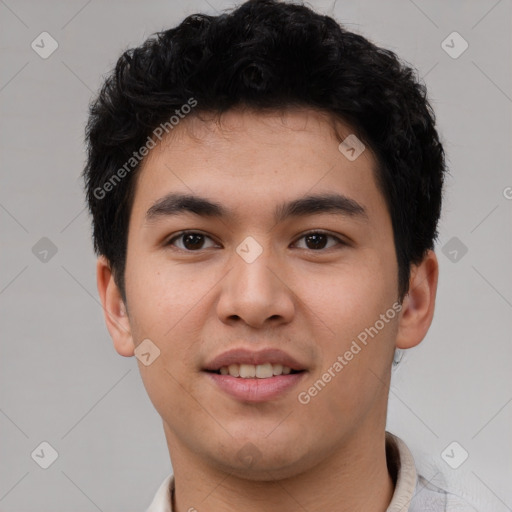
(267, 55)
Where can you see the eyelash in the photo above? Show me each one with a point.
(314, 232)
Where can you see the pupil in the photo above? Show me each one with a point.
(315, 241)
(194, 240)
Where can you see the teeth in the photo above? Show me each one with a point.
(247, 371)
(277, 369)
(259, 371)
(234, 370)
(264, 371)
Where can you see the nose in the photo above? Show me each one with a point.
(256, 292)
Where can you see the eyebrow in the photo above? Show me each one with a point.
(177, 203)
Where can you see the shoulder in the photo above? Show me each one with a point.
(162, 499)
(431, 498)
(414, 492)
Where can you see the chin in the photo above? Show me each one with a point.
(255, 462)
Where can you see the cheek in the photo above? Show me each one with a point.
(159, 295)
(344, 299)
(345, 309)
(167, 306)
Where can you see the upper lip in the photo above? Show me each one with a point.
(245, 356)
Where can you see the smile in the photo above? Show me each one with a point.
(259, 371)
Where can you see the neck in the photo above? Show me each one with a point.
(354, 477)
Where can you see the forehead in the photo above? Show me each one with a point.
(264, 129)
(244, 155)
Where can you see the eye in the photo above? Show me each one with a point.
(191, 241)
(317, 240)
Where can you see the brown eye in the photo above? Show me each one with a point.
(317, 240)
(190, 241)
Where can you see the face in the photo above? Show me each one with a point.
(289, 264)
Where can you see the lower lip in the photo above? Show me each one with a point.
(256, 390)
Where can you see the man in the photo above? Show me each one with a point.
(265, 189)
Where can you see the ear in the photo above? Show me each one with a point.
(418, 305)
(114, 309)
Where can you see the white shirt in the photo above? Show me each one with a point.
(413, 493)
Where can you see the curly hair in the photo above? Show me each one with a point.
(269, 55)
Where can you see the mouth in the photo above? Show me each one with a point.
(250, 376)
(252, 371)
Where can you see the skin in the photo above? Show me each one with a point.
(328, 454)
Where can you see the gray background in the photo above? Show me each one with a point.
(62, 381)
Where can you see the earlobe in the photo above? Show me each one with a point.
(114, 309)
(419, 303)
